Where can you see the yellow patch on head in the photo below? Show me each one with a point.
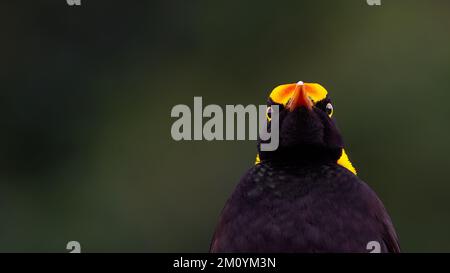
(345, 162)
(282, 93)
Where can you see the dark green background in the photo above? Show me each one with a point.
(86, 92)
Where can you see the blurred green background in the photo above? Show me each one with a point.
(86, 93)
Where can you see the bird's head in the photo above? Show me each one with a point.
(307, 131)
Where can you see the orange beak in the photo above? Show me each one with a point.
(299, 98)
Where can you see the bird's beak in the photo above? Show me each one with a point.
(299, 98)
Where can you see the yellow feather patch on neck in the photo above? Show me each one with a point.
(257, 160)
(282, 93)
(345, 162)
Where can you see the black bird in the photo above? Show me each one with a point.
(304, 196)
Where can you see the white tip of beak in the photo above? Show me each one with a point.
(300, 83)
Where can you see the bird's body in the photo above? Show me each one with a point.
(298, 207)
(305, 196)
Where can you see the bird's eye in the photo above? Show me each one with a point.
(329, 109)
(269, 113)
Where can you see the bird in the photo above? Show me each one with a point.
(304, 197)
